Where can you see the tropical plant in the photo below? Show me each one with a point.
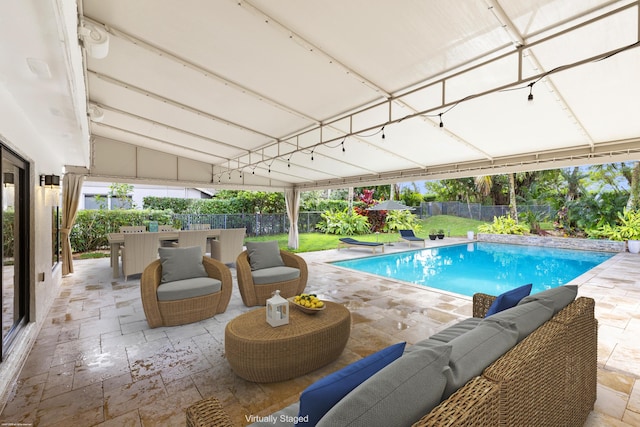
(376, 218)
(401, 220)
(533, 218)
(626, 228)
(503, 225)
(343, 223)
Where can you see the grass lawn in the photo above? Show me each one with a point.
(453, 226)
(309, 242)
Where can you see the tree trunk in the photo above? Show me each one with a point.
(634, 191)
(513, 209)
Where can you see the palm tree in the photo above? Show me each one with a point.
(513, 208)
(634, 190)
(484, 184)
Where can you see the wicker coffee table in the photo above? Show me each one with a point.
(260, 353)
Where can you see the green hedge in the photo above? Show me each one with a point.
(233, 203)
(92, 226)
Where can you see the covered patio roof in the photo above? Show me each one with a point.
(308, 94)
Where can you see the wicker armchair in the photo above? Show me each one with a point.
(258, 294)
(188, 310)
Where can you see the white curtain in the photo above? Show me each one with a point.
(71, 192)
(292, 199)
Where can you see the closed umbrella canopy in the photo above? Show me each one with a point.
(390, 205)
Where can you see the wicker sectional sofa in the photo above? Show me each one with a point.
(545, 377)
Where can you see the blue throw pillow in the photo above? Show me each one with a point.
(317, 399)
(508, 299)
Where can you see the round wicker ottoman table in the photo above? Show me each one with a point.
(261, 353)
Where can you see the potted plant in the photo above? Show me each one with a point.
(629, 229)
(626, 229)
(433, 234)
(440, 234)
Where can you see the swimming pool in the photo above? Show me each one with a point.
(492, 268)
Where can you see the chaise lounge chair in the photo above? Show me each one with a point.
(349, 242)
(409, 236)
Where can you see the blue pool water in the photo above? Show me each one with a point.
(491, 268)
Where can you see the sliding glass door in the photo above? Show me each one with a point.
(15, 254)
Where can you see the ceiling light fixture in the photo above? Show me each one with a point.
(441, 124)
(95, 113)
(383, 137)
(94, 39)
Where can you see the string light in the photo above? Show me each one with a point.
(455, 104)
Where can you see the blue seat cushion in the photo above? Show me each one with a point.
(319, 397)
(188, 288)
(508, 299)
(266, 276)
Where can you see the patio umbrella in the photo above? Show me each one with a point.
(390, 205)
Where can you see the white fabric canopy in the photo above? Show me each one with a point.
(269, 95)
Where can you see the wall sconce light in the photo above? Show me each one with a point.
(52, 185)
(7, 178)
(49, 180)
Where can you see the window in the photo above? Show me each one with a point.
(14, 281)
(55, 235)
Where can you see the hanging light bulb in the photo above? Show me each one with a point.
(530, 97)
(343, 150)
(383, 137)
(441, 124)
(314, 149)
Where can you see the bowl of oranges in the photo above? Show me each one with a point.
(307, 303)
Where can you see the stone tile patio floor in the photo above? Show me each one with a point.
(97, 363)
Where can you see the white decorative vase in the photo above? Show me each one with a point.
(634, 246)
